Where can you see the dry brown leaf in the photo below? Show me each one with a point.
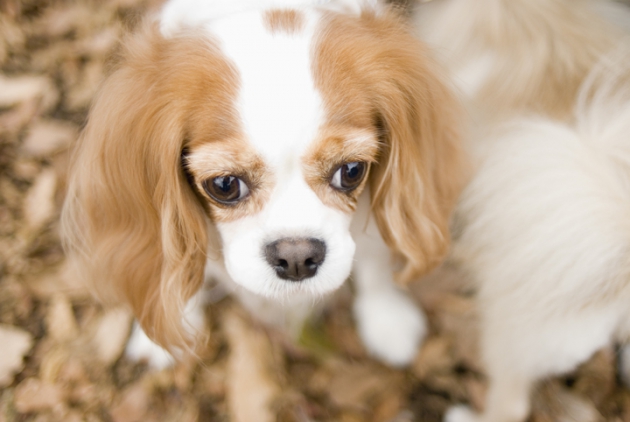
(73, 416)
(60, 322)
(24, 88)
(403, 416)
(597, 378)
(349, 416)
(134, 405)
(86, 393)
(187, 412)
(251, 387)
(39, 204)
(14, 120)
(52, 363)
(63, 20)
(457, 318)
(576, 409)
(45, 137)
(111, 334)
(213, 380)
(388, 408)
(81, 93)
(477, 390)
(34, 395)
(353, 384)
(11, 36)
(63, 279)
(102, 43)
(434, 357)
(16, 343)
(26, 169)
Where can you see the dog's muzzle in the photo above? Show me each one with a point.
(295, 259)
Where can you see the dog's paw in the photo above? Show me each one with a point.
(461, 413)
(390, 325)
(141, 348)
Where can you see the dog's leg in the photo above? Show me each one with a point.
(390, 324)
(509, 376)
(141, 347)
(527, 341)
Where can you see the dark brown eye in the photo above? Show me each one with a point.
(226, 189)
(349, 176)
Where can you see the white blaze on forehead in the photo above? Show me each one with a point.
(280, 112)
(181, 13)
(278, 105)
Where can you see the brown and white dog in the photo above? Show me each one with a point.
(543, 227)
(276, 145)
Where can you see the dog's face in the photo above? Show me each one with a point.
(282, 186)
(267, 125)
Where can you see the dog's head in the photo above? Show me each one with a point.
(264, 126)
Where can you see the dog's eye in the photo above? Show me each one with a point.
(349, 176)
(226, 189)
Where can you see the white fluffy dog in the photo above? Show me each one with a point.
(544, 223)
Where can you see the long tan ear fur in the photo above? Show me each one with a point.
(131, 222)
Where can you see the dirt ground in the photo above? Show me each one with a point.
(61, 353)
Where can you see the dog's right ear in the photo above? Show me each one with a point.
(131, 222)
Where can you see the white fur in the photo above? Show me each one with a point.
(189, 13)
(141, 348)
(544, 224)
(547, 236)
(281, 112)
(468, 34)
(390, 324)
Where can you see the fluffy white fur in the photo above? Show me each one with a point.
(156, 216)
(547, 237)
(176, 14)
(543, 226)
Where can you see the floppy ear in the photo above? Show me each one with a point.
(373, 67)
(420, 168)
(130, 220)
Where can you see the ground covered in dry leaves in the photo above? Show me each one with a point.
(61, 353)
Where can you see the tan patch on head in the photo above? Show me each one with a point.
(336, 146)
(230, 157)
(374, 74)
(283, 20)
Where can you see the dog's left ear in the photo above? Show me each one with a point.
(420, 169)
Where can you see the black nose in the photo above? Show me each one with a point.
(295, 258)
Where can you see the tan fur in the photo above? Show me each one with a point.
(371, 71)
(131, 222)
(284, 20)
